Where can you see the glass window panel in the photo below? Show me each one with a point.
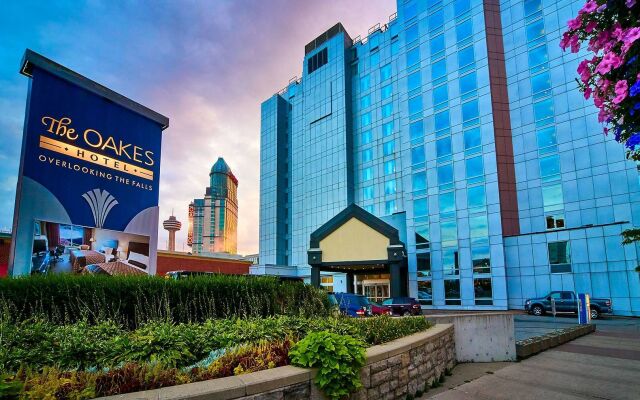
(543, 109)
(450, 264)
(415, 105)
(535, 30)
(367, 193)
(538, 56)
(387, 110)
(443, 147)
(412, 33)
(552, 197)
(464, 30)
(440, 94)
(419, 181)
(476, 196)
(448, 232)
(413, 57)
(437, 45)
(550, 165)
(436, 20)
(452, 292)
(439, 69)
(414, 81)
(546, 137)
(416, 130)
(395, 47)
(365, 101)
(417, 155)
(364, 82)
(474, 166)
(470, 110)
(390, 167)
(472, 138)
(366, 137)
(540, 82)
(420, 207)
(388, 148)
(425, 293)
(445, 174)
(422, 236)
(482, 290)
(461, 6)
(387, 128)
(367, 155)
(374, 59)
(468, 83)
(441, 120)
(374, 41)
(390, 207)
(447, 203)
(465, 56)
(385, 92)
(367, 174)
(365, 119)
(480, 257)
(385, 72)
(531, 7)
(410, 10)
(423, 261)
(478, 226)
(559, 253)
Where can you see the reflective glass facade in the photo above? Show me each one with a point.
(463, 119)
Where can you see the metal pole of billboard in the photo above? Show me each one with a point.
(553, 311)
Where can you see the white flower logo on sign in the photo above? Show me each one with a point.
(101, 202)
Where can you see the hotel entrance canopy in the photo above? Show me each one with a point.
(357, 242)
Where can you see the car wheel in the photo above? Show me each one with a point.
(406, 314)
(595, 314)
(537, 310)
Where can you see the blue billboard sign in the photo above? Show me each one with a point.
(90, 157)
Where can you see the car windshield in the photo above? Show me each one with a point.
(363, 301)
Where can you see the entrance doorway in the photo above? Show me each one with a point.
(377, 288)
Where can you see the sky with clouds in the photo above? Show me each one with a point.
(207, 65)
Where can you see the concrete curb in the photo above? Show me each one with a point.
(528, 347)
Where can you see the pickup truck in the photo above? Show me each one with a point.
(566, 302)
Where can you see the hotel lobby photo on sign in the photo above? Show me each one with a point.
(90, 164)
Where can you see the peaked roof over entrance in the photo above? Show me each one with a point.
(354, 211)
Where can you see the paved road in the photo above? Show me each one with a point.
(528, 325)
(602, 365)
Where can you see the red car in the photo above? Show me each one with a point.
(403, 306)
(377, 309)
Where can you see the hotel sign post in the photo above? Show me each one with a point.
(90, 157)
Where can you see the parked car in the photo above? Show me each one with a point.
(353, 305)
(566, 302)
(185, 274)
(403, 306)
(378, 309)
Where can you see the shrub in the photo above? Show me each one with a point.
(338, 359)
(65, 298)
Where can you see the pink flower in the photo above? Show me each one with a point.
(609, 62)
(587, 93)
(574, 23)
(617, 32)
(575, 44)
(621, 91)
(584, 71)
(629, 36)
(564, 42)
(603, 115)
(591, 25)
(590, 6)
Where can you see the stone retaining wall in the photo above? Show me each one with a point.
(392, 371)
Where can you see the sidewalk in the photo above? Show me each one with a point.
(602, 365)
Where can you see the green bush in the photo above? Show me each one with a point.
(131, 301)
(338, 359)
(37, 344)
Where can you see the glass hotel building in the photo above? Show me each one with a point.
(459, 123)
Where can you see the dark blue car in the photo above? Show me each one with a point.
(353, 305)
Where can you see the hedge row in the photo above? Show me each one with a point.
(127, 300)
